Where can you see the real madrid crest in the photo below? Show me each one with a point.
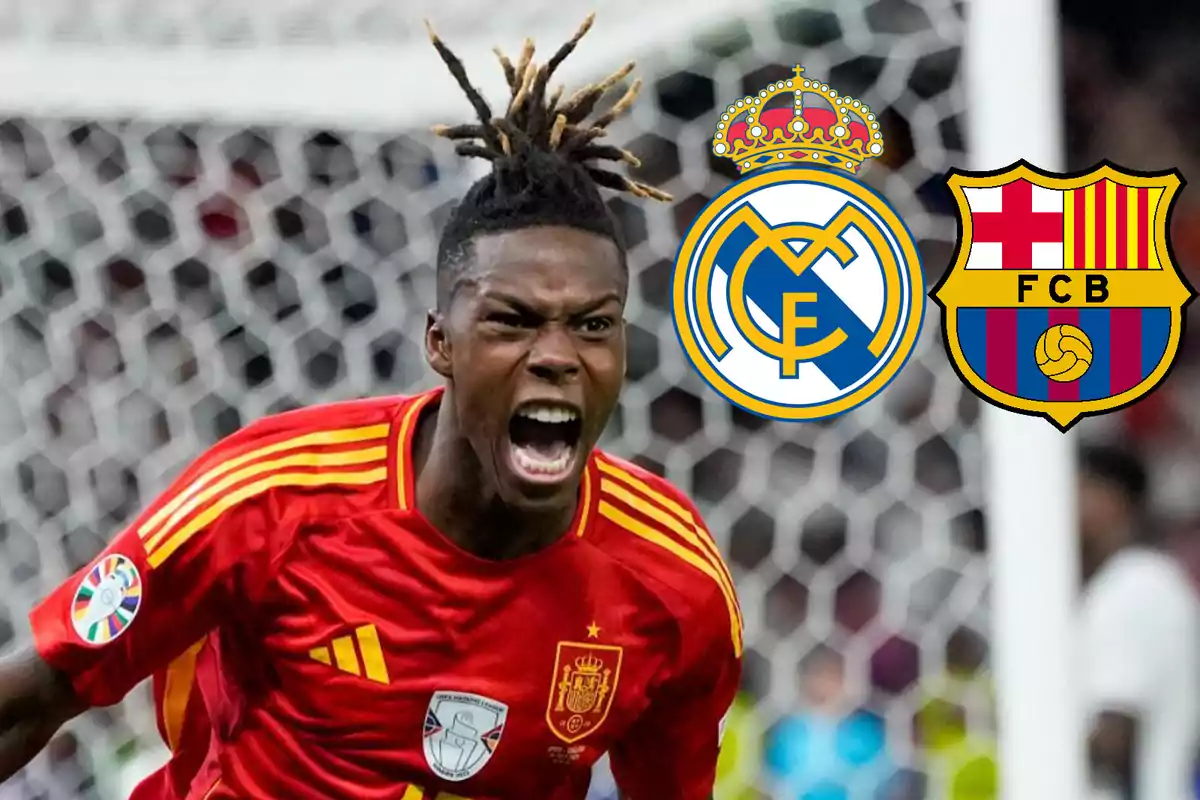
(798, 292)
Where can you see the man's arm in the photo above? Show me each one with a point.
(671, 752)
(35, 701)
(205, 545)
(1111, 746)
(1132, 627)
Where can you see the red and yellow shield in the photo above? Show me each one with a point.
(1064, 299)
(585, 682)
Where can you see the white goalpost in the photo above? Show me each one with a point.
(1012, 77)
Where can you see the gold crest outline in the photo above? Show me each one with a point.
(1065, 414)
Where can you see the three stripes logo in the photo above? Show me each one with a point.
(341, 457)
(358, 654)
(634, 505)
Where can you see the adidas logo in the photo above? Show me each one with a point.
(359, 654)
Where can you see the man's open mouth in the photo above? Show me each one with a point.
(543, 441)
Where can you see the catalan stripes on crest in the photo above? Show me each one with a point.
(647, 513)
(1107, 226)
(1064, 300)
(346, 456)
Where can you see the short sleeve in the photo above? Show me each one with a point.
(671, 753)
(198, 554)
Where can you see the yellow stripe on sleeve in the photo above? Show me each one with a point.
(340, 458)
(660, 498)
(689, 535)
(181, 677)
(319, 438)
(641, 529)
(402, 454)
(682, 513)
(278, 479)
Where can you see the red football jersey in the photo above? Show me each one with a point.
(343, 647)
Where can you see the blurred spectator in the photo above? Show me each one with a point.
(741, 752)
(831, 750)
(955, 723)
(1141, 653)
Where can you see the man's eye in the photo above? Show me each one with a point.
(507, 319)
(597, 324)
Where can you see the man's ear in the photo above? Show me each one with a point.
(437, 344)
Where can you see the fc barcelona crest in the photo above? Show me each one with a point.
(1064, 300)
(585, 682)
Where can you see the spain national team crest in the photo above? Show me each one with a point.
(798, 292)
(107, 600)
(585, 682)
(1064, 300)
(462, 731)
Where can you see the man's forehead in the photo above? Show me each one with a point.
(583, 264)
(548, 246)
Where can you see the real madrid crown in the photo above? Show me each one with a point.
(816, 126)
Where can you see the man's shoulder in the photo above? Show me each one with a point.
(1139, 585)
(321, 425)
(1142, 574)
(651, 526)
(625, 472)
(343, 449)
(645, 518)
(341, 415)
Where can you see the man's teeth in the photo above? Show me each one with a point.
(543, 466)
(548, 413)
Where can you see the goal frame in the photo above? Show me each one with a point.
(1012, 76)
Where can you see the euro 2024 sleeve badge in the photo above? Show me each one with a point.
(1063, 300)
(798, 292)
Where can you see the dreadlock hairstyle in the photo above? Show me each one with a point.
(545, 155)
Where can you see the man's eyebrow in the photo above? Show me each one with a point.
(524, 304)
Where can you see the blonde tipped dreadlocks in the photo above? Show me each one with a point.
(546, 154)
(533, 121)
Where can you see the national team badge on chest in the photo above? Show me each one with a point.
(462, 731)
(585, 682)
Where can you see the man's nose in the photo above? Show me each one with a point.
(554, 357)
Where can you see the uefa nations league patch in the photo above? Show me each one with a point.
(107, 600)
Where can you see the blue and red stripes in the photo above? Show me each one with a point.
(1000, 345)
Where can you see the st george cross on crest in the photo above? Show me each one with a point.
(1063, 300)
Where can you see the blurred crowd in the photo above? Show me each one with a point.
(1132, 94)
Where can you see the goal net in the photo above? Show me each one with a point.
(213, 211)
